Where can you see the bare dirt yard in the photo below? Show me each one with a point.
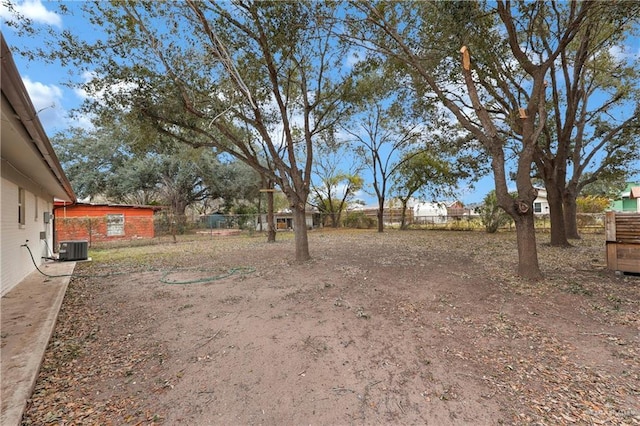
(416, 327)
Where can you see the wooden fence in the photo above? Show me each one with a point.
(622, 231)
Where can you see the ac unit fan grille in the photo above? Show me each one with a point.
(73, 250)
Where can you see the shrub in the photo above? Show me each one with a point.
(592, 204)
(359, 220)
(492, 215)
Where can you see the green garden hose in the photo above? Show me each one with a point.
(230, 272)
(243, 270)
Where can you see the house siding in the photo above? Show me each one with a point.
(89, 223)
(30, 172)
(16, 262)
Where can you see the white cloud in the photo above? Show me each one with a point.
(625, 53)
(95, 90)
(31, 9)
(79, 91)
(47, 101)
(41, 94)
(353, 58)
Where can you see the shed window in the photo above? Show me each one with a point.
(537, 207)
(21, 206)
(115, 225)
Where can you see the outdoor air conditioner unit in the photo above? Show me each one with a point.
(73, 250)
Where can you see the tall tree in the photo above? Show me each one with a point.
(101, 162)
(380, 136)
(608, 186)
(182, 179)
(90, 159)
(251, 78)
(594, 116)
(498, 42)
(425, 174)
(336, 179)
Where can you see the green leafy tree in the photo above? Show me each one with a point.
(382, 128)
(608, 186)
(434, 169)
(593, 126)
(493, 217)
(235, 182)
(91, 159)
(498, 43)
(422, 173)
(98, 163)
(333, 197)
(336, 180)
(240, 77)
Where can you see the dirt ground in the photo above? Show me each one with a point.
(416, 327)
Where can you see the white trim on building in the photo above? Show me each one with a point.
(31, 176)
(541, 204)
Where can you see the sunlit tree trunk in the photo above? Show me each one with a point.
(556, 217)
(301, 237)
(571, 213)
(271, 221)
(528, 266)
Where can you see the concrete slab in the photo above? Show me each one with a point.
(28, 315)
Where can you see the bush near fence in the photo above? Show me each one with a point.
(587, 222)
(166, 224)
(169, 224)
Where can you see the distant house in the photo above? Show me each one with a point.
(392, 213)
(541, 204)
(284, 220)
(634, 194)
(429, 213)
(457, 210)
(627, 201)
(31, 178)
(103, 222)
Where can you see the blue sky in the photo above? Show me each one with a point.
(53, 100)
(44, 82)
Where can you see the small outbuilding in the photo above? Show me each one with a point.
(627, 201)
(103, 222)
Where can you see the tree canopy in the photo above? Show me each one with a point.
(103, 163)
(528, 83)
(495, 88)
(240, 77)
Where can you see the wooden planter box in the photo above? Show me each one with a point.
(623, 241)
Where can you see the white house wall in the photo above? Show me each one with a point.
(544, 206)
(15, 261)
(430, 212)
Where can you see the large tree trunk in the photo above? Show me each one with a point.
(334, 220)
(381, 217)
(556, 216)
(300, 231)
(338, 218)
(403, 217)
(521, 211)
(571, 214)
(528, 266)
(271, 221)
(180, 217)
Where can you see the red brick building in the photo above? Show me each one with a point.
(102, 222)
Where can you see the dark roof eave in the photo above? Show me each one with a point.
(129, 206)
(17, 95)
